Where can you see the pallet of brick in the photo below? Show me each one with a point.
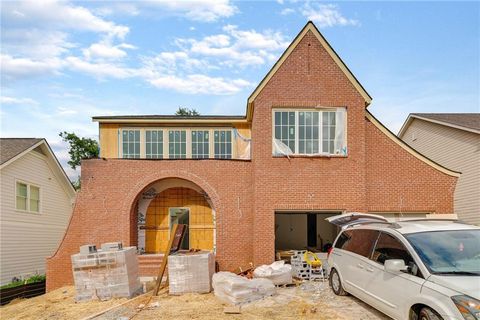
(190, 272)
(106, 274)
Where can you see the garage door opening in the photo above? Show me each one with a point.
(304, 231)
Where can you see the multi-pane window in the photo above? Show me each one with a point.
(177, 144)
(308, 132)
(328, 132)
(222, 144)
(285, 128)
(131, 143)
(27, 197)
(200, 144)
(154, 144)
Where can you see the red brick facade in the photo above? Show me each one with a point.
(377, 175)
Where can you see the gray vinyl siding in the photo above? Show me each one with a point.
(28, 238)
(455, 149)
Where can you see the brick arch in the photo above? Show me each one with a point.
(130, 200)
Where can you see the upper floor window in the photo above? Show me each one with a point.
(154, 144)
(200, 144)
(27, 197)
(223, 144)
(131, 143)
(177, 144)
(309, 132)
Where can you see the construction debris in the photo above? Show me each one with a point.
(238, 290)
(190, 272)
(278, 272)
(106, 274)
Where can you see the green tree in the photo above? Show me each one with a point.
(79, 148)
(182, 111)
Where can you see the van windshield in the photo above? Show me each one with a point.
(455, 252)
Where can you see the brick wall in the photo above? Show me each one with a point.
(105, 207)
(377, 175)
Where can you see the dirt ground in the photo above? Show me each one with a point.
(288, 303)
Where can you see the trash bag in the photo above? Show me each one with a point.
(278, 272)
(238, 290)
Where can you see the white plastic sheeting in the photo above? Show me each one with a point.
(190, 272)
(281, 149)
(237, 290)
(242, 145)
(340, 145)
(278, 272)
(106, 274)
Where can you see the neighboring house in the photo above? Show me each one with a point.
(249, 185)
(453, 140)
(35, 208)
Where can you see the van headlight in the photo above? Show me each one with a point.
(469, 307)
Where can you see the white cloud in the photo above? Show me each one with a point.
(100, 70)
(52, 14)
(237, 47)
(326, 15)
(35, 39)
(287, 11)
(105, 50)
(199, 84)
(197, 10)
(18, 68)
(13, 100)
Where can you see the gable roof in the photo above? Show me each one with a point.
(309, 27)
(463, 121)
(12, 149)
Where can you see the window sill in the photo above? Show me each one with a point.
(311, 156)
(28, 212)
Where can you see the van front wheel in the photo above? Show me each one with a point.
(428, 314)
(336, 283)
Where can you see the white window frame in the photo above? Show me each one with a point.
(231, 143)
(209, 142)
(141, 141)
(28, 184)
(145, 142)
(166, 141)
(320, 129)
(187, 142)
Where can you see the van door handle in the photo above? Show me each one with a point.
(360, 266)
(370, 269)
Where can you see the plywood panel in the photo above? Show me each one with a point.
(158, 219)
(109, 140)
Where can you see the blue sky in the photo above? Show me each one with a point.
(64, 62)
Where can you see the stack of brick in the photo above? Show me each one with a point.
(107, 273)
(190, 272)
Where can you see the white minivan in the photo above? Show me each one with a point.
(418, 269)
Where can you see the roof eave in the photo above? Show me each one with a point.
(170, 121)
(409, 120)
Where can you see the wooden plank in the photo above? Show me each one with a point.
(178, 231)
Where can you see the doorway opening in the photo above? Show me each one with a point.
(181, 216)
(304, 231)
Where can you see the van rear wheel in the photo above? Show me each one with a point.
(336, 283)
(428, 314)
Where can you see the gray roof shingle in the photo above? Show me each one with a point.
(466, 120)
(11, 147)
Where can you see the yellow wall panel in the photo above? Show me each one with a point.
(108, 140)
(158, 218)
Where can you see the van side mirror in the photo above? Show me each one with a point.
(395, 266)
